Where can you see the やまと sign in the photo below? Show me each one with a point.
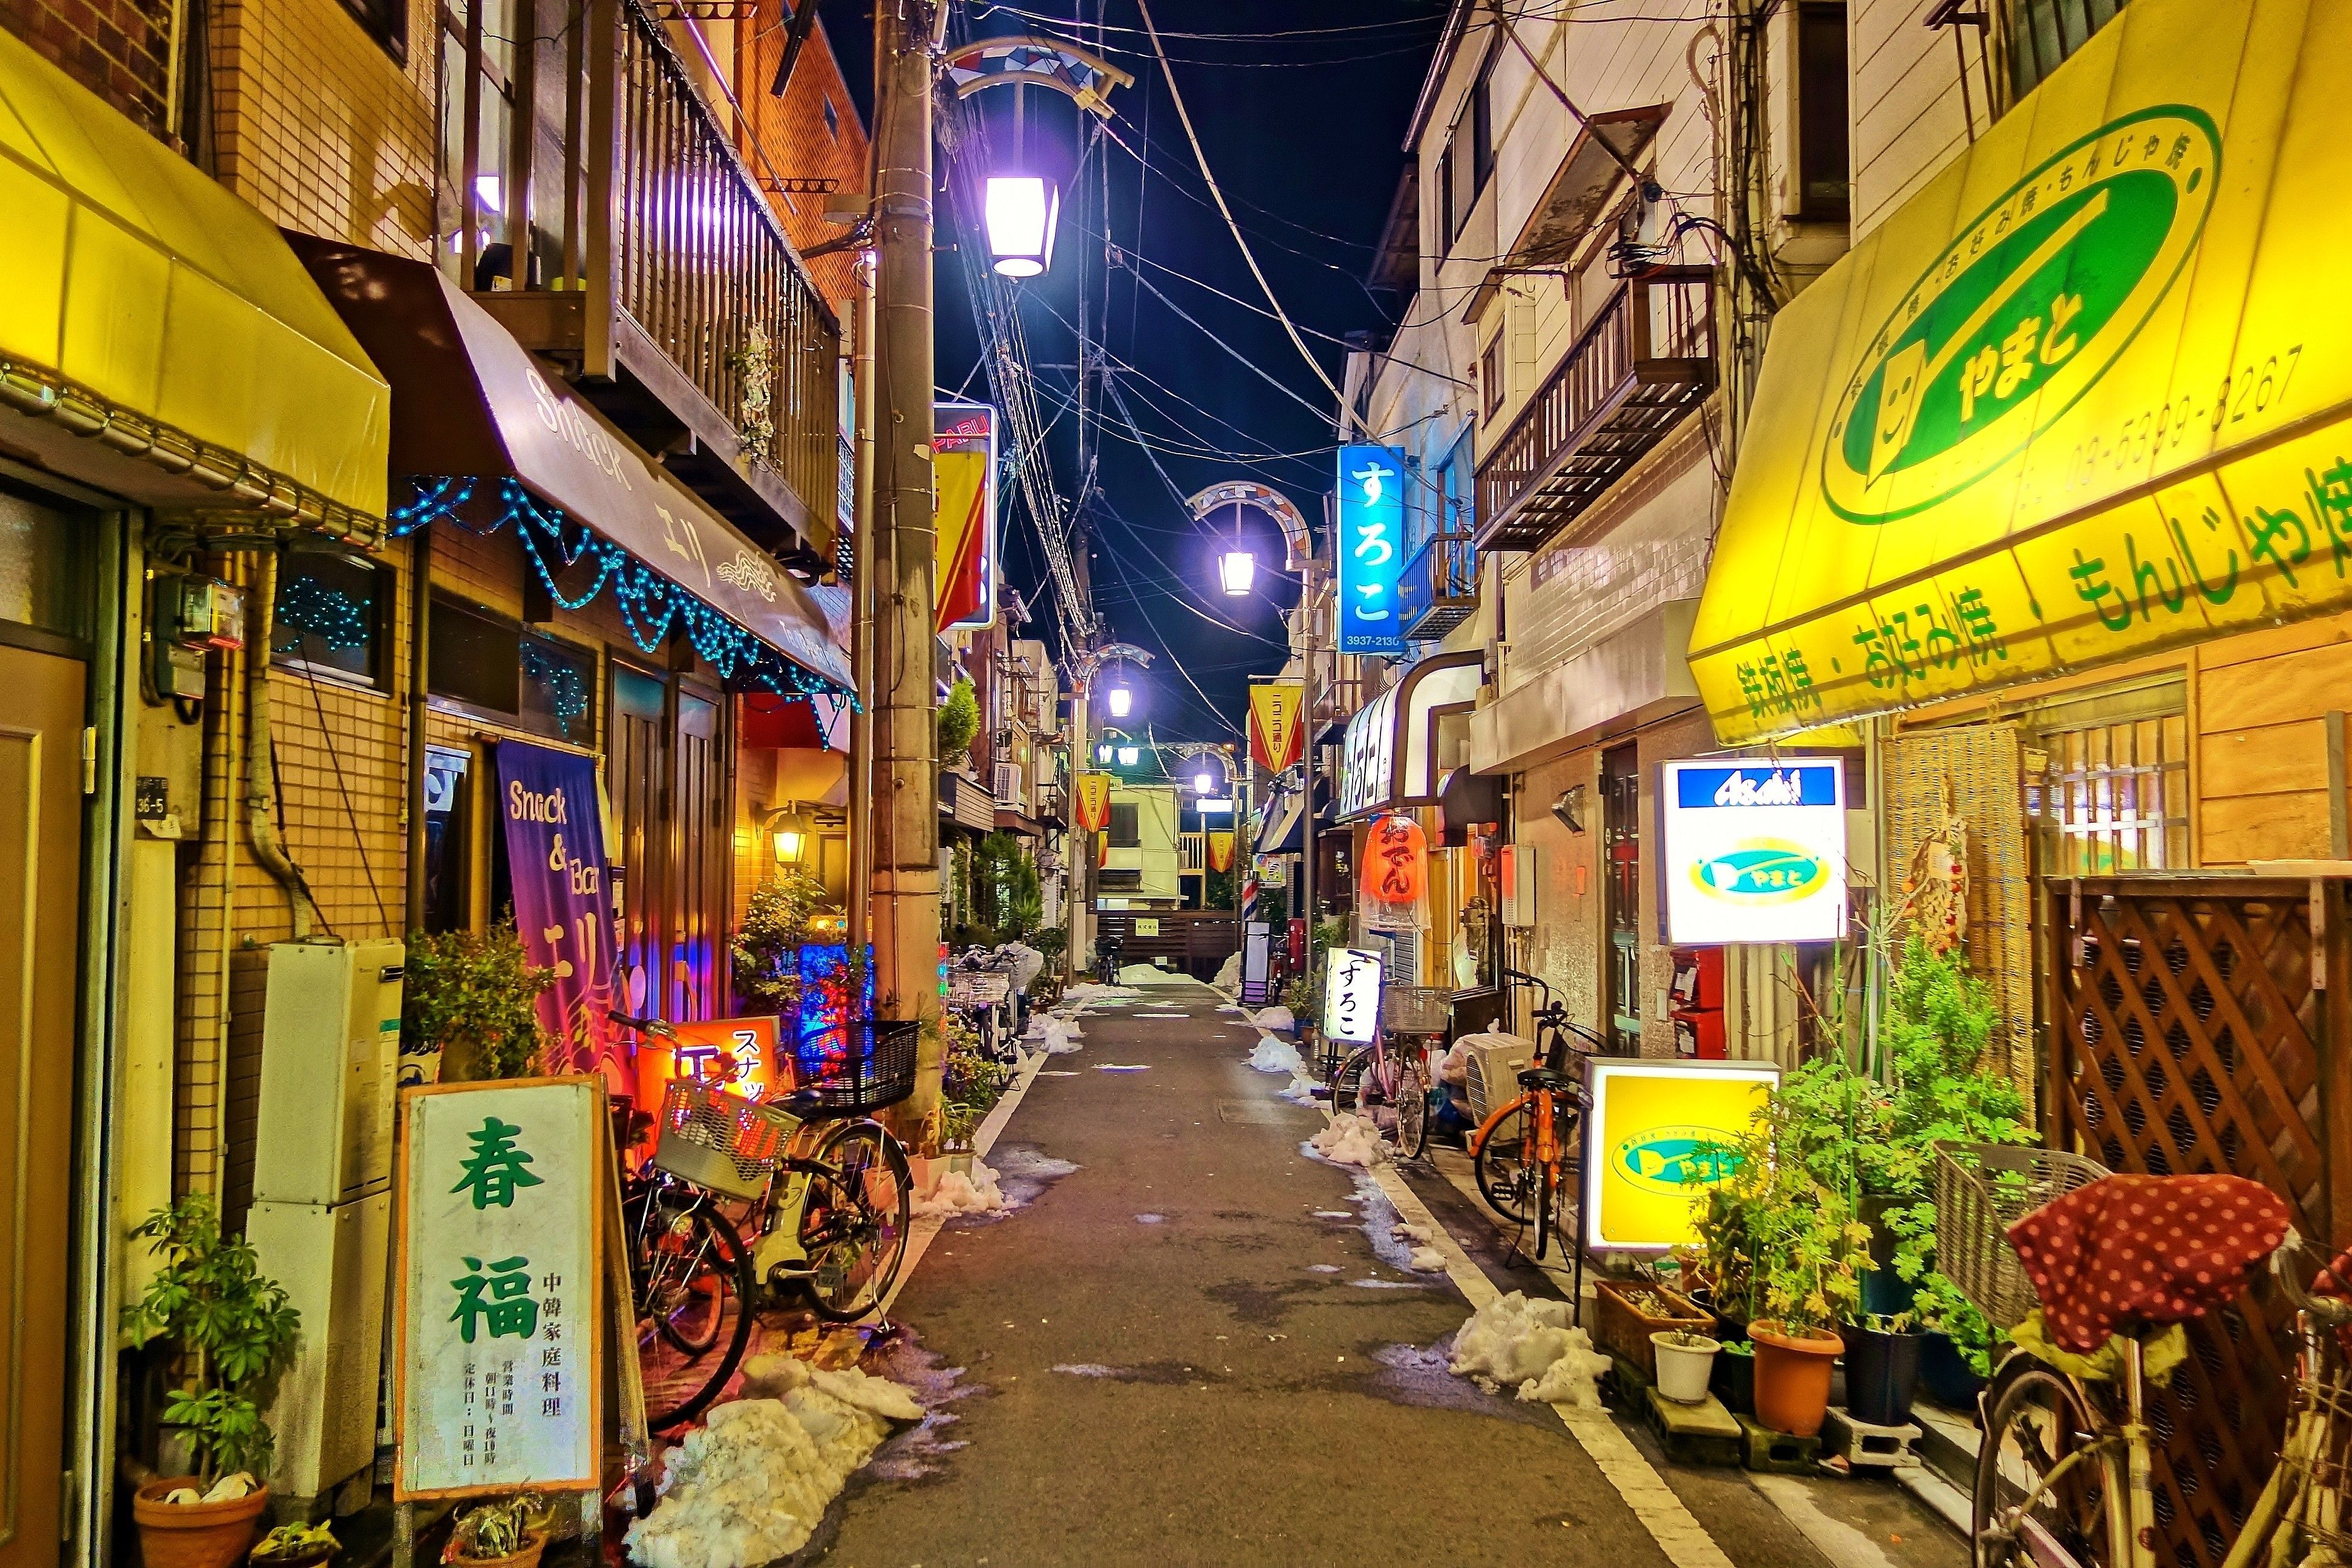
(1755, 851)
(500, 1288)
(1658, 1134)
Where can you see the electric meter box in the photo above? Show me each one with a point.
(329, 1071)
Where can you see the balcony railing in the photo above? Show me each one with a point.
(1645, 361)
(653, 266)
(1440, 586)
(1192, 852)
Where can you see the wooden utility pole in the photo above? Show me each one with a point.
(904, 920)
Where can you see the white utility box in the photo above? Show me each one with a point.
(329, 1068)
(334, 1263)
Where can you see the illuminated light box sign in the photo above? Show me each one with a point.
(1755, 852)
(1351, 996)
(1371, 548)
(1655, 1139)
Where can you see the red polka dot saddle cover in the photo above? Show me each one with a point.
(2145, 1249)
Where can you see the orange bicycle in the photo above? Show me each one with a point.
(1528, 1151)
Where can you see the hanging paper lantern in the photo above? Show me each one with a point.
(1396, 861)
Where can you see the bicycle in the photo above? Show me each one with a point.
(1524, 1156)
(2063, 1468)
(1387, 1081)
(824, 1194)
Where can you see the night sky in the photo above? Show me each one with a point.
(1303, 133)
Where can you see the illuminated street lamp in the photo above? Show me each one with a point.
(789, 831)
(1236, 570)
(1130, 756)
(1021, 212)
(1121, 699)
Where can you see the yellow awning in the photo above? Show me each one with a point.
(2083, 398)
(145, 306)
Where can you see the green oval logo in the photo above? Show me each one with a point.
(1669, 1158)
(1763, 873)
(2020, 314)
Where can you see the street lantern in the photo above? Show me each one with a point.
(1122, 700)
(1130, 756)
(1236, 570)
(1104, 753)
(1021, 213)
(789, 831)
(1204, 781)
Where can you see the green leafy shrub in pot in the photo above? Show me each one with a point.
(473, 997)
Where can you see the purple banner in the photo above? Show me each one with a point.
(555, 854)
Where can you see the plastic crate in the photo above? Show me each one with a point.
(862, 1067)
(1493, 1069)
(719, 1140)
(1982, 1189)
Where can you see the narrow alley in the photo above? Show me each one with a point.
(1201, 1346)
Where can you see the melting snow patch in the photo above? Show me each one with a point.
(1160, 1015)
(1059, 1036)
(1150, 1219)
(1301, 1089)
(1087, 992)
(1229, 974)
(1272, 1054)
(1425, 1260)
(1515, 1341)
(750, 1484)
(1276, 1018)
(1335, 1214)
(1322, 1268)
(1121, 1067)
(1389, 1284)
(1025, 1173)
(1148, 974)
(961, 1194)
(1088, 1369)
(1348, 1141)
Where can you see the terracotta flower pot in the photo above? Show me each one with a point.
(199, 1534)
(1792, 1377)
(533, 1545)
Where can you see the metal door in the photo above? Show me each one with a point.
(40, 895)
(1621, 842)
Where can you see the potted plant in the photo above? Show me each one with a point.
(1955, 1356)
(1685, 1364)
(296, 1546)
(1882, 1367)
(1734, 1379)
(505, 1532)
(472, 997)
(229, 1324)
(1628, 1314)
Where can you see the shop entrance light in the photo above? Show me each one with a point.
(788, 830)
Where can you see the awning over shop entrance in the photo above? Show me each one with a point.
(1277, 831)
(166, 343)
(1391, 754)
(469, 405)
(2083, 398)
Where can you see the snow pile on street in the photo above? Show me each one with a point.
(961, 1194)
(1300, 1090)
(1054, 1034)
(751, 1486)
(1089, 993)
(1273, 1054)
(1514, 1341)
(1276, 1018)
(1229, 974)
(1149, 974)
(1348, 1141)
(1426, 1260)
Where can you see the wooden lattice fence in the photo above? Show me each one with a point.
(2186, 1013)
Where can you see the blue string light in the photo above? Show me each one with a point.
(309, 608)
(651, 606)
(567, 694)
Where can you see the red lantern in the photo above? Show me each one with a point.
(1396, 861)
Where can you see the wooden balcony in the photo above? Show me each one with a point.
(1440, 586)
(633, 246)
(1646, 360)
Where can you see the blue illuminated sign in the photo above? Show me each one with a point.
(1370, 549)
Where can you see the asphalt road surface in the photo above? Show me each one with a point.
(1201, 1346)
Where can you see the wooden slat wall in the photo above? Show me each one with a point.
(2262, 746)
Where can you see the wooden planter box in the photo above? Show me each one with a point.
(1624, 1329)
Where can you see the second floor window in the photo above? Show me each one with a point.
(1126, 831)
(1490, 377)
(2044, 33)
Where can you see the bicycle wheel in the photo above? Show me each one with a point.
(685, 1262)
(1348, 1083)
(854, 1224)
(1412, 1110)
(2038, 1422)
(1500, 1163)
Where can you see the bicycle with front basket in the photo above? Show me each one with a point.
(2063, 1470)
(804, 1193)
(1526, 1155)
(1387, 1082)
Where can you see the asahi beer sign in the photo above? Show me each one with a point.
(1755, 852)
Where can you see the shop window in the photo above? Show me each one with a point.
(1126, 830)
(475, 660)
(2107, 782)
(558, 681)
(44, 568)
(385, 21)
(2041, 35)
(331, 615)
(448, 795)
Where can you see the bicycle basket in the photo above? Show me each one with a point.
(860, 1067)
(1982, 1189)
(1416, 1009)
(717, 1139)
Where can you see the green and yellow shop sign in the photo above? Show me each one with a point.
(2083, 398)
(1659, 1133)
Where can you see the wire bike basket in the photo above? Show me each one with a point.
(859, 1067)
(1982, 1189)
(717, 1139)
(1416, 1009)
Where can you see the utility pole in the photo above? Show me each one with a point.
(905, 919)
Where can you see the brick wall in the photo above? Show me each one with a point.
(120, 50)
(798, 140)
(316, 124)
